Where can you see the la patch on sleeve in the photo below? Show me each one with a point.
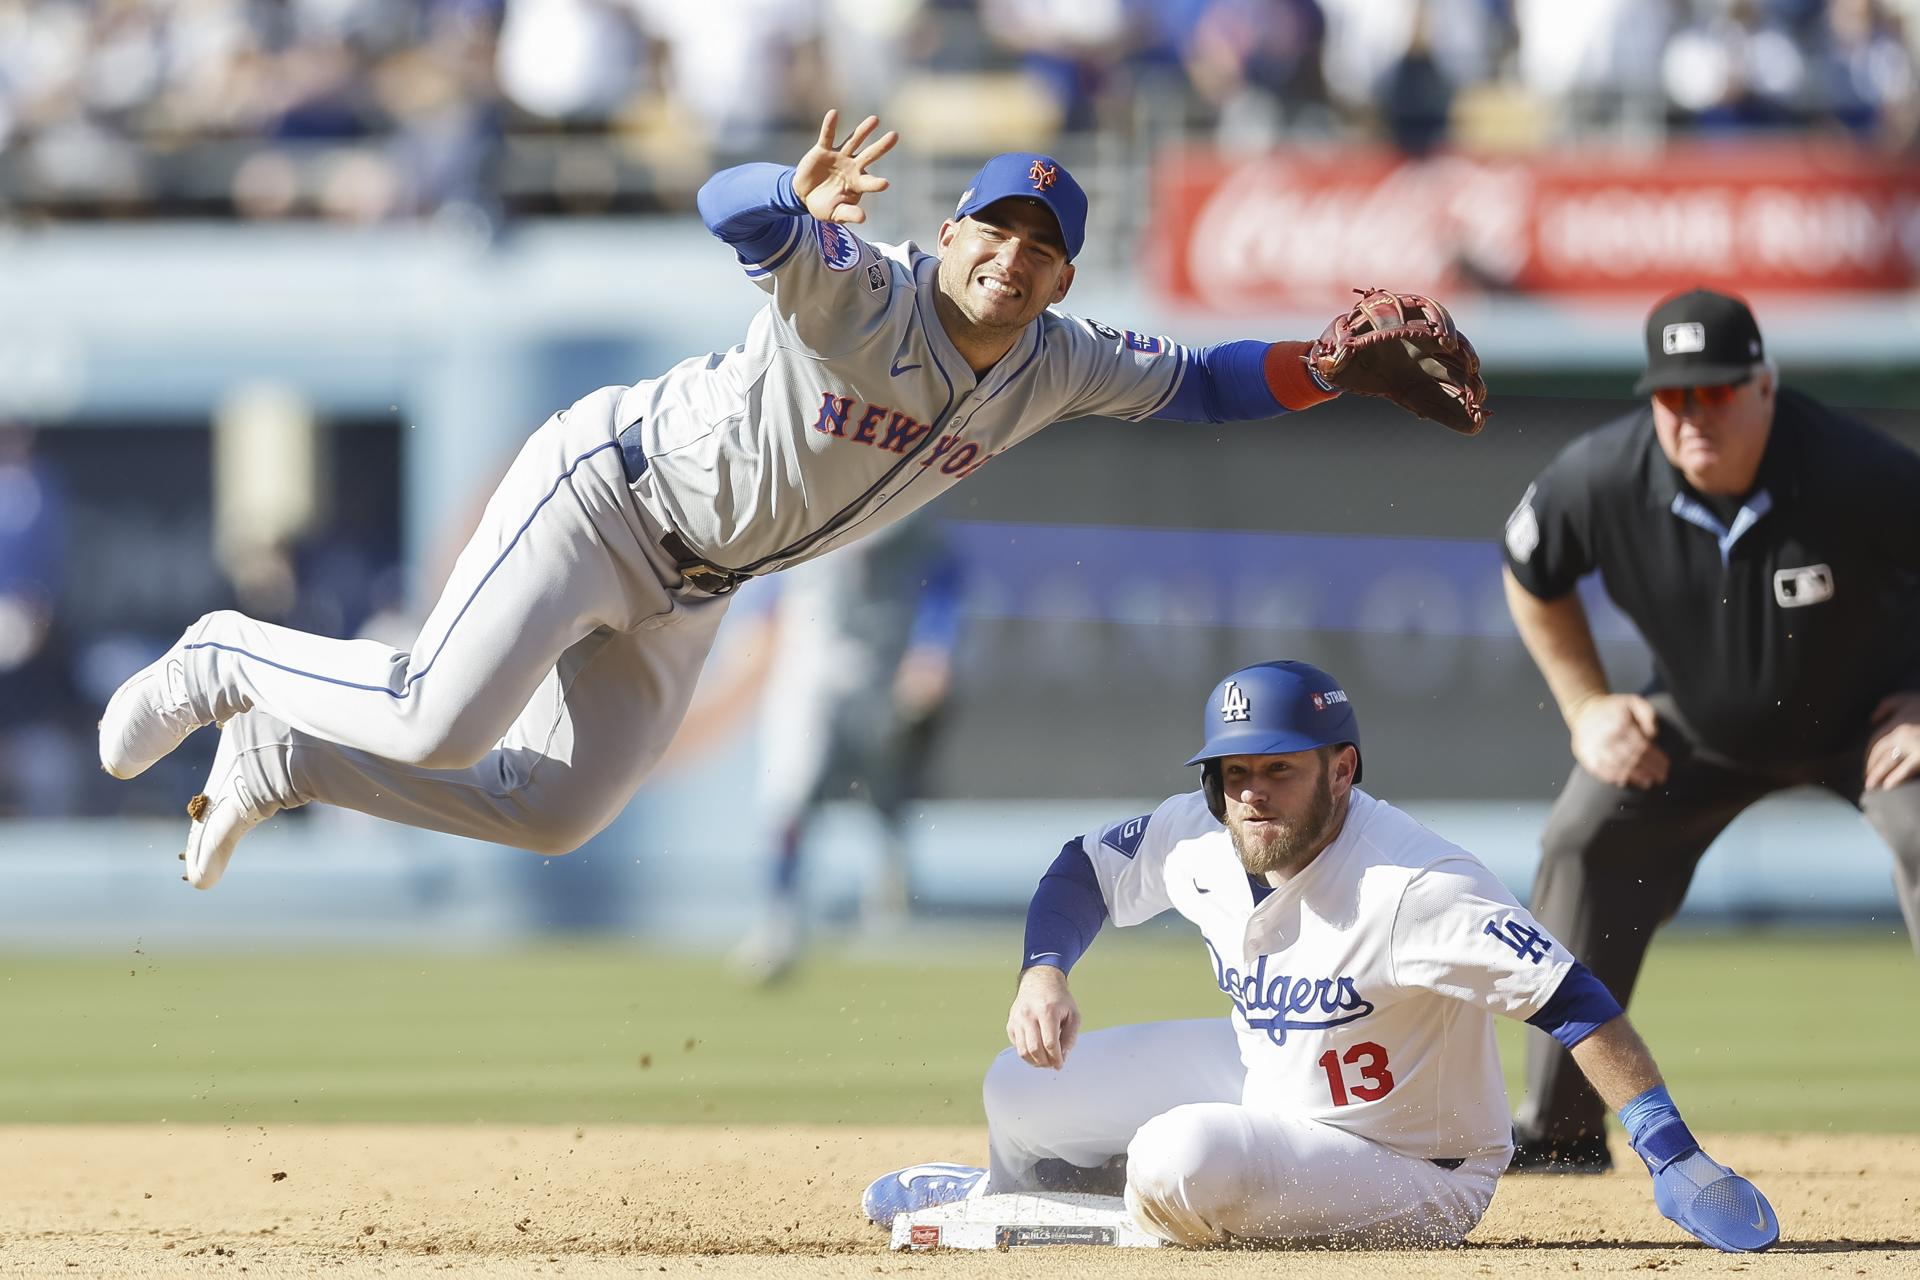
(1124, 837)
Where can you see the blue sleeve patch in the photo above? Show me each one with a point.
(1147, 345)
(838, 248)
(1124, 837)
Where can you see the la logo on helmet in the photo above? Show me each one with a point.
(1233, 703)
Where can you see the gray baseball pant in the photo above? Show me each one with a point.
(1615, 865)
(544, 686)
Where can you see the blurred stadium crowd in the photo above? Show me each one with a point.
(370, 110)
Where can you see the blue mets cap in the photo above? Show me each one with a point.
(1273, 708)
(1027, 175)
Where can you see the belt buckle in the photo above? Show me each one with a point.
(710, 580)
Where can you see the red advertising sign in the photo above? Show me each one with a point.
(1246, 233)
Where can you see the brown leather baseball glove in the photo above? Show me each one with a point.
(1403, 346)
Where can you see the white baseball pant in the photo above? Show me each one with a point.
(1201, 1167)
(544, 686)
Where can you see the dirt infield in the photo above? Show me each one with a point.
(499, 1201)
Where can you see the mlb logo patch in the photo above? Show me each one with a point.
(1679, 339)
(1798, 588)
(838, 249)
(1144, 344)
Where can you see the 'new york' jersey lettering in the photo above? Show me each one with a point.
(847, 406)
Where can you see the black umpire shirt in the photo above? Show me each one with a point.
(1777, 622)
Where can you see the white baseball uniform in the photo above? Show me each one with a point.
(1355, 1092)
(563, 651)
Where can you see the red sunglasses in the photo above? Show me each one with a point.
(1674, 399)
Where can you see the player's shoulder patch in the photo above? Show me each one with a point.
(838, 247)
(1124, 837)
(1128, 339)
(877, 277)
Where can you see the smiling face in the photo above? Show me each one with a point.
(1715, 436)
(1282, 810)
(1001, 267)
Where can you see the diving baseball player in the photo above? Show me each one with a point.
(562, 653)
(1354, 1094)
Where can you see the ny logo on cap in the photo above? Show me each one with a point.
(1042, 175)
(1233, 703)
(1679, 339)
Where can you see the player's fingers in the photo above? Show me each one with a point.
(867, 184)
(1050, 1042)
(849, 213)
(1645, 718)
(828, 123)
(1650, 770)
(1887, 765)
(882, 145)
(860, 134)
(1020, 1035)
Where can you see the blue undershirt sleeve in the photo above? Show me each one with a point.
(752, 208)
(1579, 1008)
(1226, 382)
(1066, 912)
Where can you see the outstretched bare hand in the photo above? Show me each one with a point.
(831, 179)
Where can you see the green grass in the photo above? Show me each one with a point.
(1774, 1031)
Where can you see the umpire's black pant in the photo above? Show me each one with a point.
(1615, 865)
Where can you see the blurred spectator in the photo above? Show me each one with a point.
(1592, 59)
(1864, 72)
(571, 61)
(1254, 65)
(741, 68)
(1075, 48)
(1734, 66)
(1416, 94)
(369, 110)
(1368, 39)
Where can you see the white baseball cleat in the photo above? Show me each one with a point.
(148, 716)
(233, 802)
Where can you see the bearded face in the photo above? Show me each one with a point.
(1282, 809)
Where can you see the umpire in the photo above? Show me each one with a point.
(1768, 550)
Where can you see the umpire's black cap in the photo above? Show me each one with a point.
(1700, 339)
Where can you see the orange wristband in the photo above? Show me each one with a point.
(1288, 379)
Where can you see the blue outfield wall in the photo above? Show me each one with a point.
(670, 869)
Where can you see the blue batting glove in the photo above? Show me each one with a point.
(1709, 1201)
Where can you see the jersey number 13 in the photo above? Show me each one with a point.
(1375, 1081)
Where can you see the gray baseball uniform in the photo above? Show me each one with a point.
(563, 651)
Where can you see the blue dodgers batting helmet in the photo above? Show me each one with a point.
(1270, 709)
